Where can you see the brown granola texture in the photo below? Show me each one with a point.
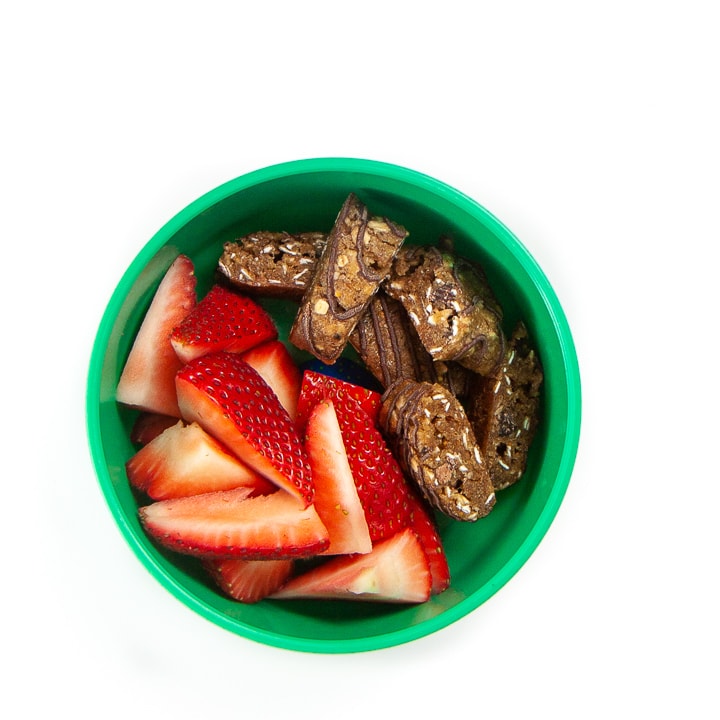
(356, 259)
(388, 344)
(276, 264)
(429, 433)
(451, 306)
(504, 409)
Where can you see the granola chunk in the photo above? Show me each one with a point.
(355, 260)
(451, 306)
(430, 434)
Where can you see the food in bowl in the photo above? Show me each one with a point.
(482, 556)
(289, 484)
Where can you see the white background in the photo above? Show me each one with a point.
(590, 129)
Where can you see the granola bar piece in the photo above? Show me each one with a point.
(429, 432)
(451, 306)
(504, 410)
(276, 264)
(387, 342)
(356, 259)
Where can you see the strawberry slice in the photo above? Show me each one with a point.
(147, 381)
(229, 399)
(317, 386)
(184, 460)
(222, 320)
(248, 581)
(277, 367)
(344, 368)
(396, 571)
(336, 497)
(228, 523)
(148, 426)
(382, 488)
(425, 527)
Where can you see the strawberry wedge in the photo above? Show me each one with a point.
(316, 386)
(230, 524)
(184, 460)
(336, 497)
(222, 320)
(276, 366)
(248, 581)
(229, 399)
(148, 426)
(381, 484)
(423, 523)
(147, 381)
(396, 571)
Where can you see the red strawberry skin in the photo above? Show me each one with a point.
(276, 366)
(316, 387)
(222, 320)
(423, 523)
(381, 485)
(248, 581)
(229, 523)
(147, 381)
(229, 399)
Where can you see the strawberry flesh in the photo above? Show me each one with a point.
(229, 523)
(336, 497)
(222, 320)
(276, 366)
(396, 571)
(425, 527)
(184, 460)
(147, 381)
(248, 581)
(148, 426)
(229, 399)
(380, 482)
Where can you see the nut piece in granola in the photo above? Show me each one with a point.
(429, 432)
(276, 264)
(504, 410)
(451, 306)
(356, 259)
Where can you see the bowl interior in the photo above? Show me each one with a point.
(306, 195)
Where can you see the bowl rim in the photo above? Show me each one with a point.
(571, 379)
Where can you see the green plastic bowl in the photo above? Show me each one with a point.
(306, 195)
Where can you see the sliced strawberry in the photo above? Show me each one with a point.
(395, 571)
(228, 523)
(248, 580)
(222, 320)
(277, 367)
(381, 485)
(147, 381)
(336, 497)
(148, 426)
(230, 400)
(184, 460)
(344, 368)
(317, 386)
(425, 527)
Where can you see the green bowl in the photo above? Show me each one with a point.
(306, 195)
